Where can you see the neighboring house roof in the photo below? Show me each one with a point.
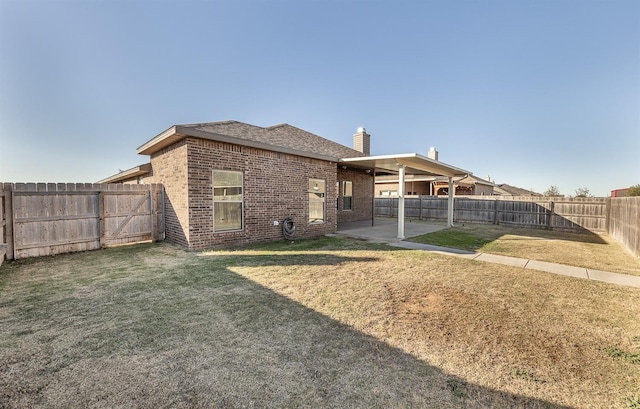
(128, 174)
(468, 180)
(505, 189)
(280, 138)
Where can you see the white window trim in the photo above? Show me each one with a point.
(324, 203)
(344, 185)
(213, 200)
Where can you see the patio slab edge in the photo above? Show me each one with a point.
(431, 248)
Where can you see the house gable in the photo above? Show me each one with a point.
(283, 138)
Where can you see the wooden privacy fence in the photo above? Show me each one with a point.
(3, 226)
(576, 214)
(38, 219)
(623, 222)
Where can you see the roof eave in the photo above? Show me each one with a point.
(128, 174)
(162, 140)
(177, 133)
(422, 164)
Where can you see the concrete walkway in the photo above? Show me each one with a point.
(385, 231)
(578, 272)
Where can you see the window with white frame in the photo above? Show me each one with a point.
(316, 201)
(347, 195)
(227, 200)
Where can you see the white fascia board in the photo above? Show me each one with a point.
(127, 174)
(411, 160)
(164, 138)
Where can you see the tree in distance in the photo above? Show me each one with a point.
(634, 190)
(552, 191)
(582, 192)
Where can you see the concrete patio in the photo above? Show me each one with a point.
(385, 230)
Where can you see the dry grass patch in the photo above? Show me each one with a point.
(588, 250)
(326, 323)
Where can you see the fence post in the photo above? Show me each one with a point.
(101, 224)
(164, 213)
(3, 219)
(495, 212)
(552, 205)
(9, 221)
(607, 215)
(153, 215)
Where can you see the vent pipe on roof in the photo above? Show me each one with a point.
(433, 153)
(362, 141)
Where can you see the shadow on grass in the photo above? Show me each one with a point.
(322, 243)
(201, 335)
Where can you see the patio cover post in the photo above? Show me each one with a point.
(450, 204)
(412, 164)
(401, 202)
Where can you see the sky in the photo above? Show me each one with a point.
(530, 93)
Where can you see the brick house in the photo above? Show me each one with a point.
(230, 183)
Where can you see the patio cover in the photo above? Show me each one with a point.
(410, 164)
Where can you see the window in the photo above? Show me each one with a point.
(316, 201)
(347, 195)
(227, 200)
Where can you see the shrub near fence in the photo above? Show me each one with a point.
(577, 214)
(47, 218)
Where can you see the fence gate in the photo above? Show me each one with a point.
(127, 217)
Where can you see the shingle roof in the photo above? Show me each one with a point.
(283, 138)
(517, 191)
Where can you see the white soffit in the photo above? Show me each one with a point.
(415, 164)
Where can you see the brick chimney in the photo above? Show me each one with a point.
(362, 141)
(433, 153)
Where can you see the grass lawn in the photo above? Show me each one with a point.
(589, 250)
(322, 323)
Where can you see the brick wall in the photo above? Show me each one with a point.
(391, 186)
(275, 187)
(170, 168)
(363, 191)
(483, 190)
